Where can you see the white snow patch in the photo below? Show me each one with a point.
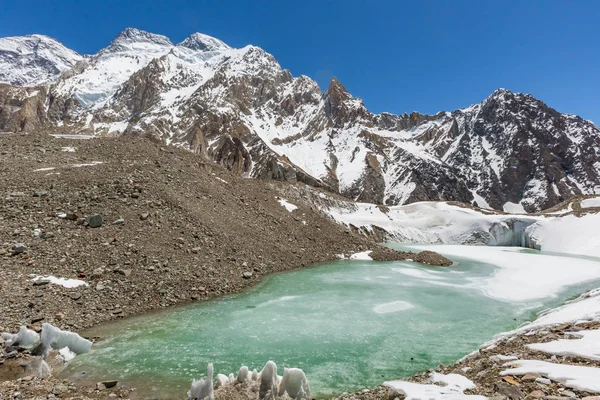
(363, 255)
(589, 203)
(454, 389)
(587, 345)
(44, 169)
(513, 208)
(68, 149)
(65, 282)
(572, 376)
(288, 206)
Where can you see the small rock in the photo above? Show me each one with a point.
(530, 377)
(135, 195)
(194, 297)
(151, 268)
(247, 275)
(510, 391)
(119, 221)
(144, 216)
(100, 286)
(112, 396)
(75, 295)
(59, 316)
(98, 272)
(18, 248)
(106, 385)
(81, 221)
(59, 389)
(124, 272)
(72, 216)
(95, 221)
(47, 235)
(543, 381)
(568, 393)
(41, 282)
(40, 193)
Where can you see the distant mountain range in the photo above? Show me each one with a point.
(239, 108)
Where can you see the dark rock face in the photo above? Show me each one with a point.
(239, 108)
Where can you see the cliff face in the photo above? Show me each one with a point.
(239, 108)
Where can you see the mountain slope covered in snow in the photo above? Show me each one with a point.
(239, 108)
(33, 60)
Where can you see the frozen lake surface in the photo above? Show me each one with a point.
(348, 324)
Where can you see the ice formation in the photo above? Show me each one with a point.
(24, 338)
(203, 388)
(53, 337)
(242, 375)
(295, 384)
(222, 380)
(268, 381)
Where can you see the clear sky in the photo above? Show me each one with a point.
(398, 56)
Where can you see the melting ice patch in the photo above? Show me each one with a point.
(394, 306)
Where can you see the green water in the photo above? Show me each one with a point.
(347, 324)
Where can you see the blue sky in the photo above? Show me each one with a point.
(398, 56)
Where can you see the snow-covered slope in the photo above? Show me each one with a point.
(440, 222)
(33, 60)
(97, 81)
(241, 109)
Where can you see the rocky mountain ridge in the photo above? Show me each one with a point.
(239, 108)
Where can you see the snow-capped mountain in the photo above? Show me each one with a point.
(33, 60)
(239, 108)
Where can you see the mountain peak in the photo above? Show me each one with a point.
(136, 39)
(201, 42)
(137, 35)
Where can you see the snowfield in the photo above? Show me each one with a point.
(440, 222)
